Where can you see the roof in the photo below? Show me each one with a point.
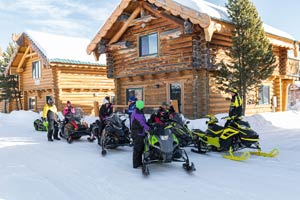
(197, 11)
(57, 47)
(76, 62)
(220, 13)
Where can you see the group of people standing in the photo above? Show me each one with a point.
(50, 114)
(138, 124)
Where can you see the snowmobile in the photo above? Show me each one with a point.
(162, 146)
(40, 125)
(73, 127)
(184, 135)
(236, 136)
(115, 133)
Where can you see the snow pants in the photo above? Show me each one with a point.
(52, 129)
(138, 149)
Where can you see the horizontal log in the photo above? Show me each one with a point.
(170, 34)
(120, 45)
(144, 19)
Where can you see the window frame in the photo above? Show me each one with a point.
(262, 98)
(30, 105)
(140, 44)
(36, 65)
(139, 96)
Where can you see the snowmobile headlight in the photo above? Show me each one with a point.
(164, 137)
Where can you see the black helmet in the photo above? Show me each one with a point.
(50, 101)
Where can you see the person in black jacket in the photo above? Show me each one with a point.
(138, 128)
(106, 110)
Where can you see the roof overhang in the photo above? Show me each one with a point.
(169, 6)
(209, 25)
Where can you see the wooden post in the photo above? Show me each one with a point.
(96, 108)
(174, 103)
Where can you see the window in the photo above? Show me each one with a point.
(31, 103)
(137, 92)
(264, 94)
(148, 45)
(36, 70)
(175, 93)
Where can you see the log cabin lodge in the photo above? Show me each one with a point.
(57, 66)
(161, 50)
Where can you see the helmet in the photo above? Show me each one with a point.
(164, 103)
(105, 101)
(234, 90)
(107, 98)
(132, 98)
(139, 104)
(50, 101)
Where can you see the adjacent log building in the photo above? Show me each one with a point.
(57, 66)
(161, 50)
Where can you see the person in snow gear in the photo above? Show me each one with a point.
(69, 109)
(161, 115)
(68, 112)
(132, 100)
(138, 128)
(50, 112)
(105, 110)
(235, 109)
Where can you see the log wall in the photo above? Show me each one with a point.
(181, 59)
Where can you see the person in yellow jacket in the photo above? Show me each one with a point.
(236, 105)
(50, 112)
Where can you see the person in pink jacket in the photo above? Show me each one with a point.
(68, 110)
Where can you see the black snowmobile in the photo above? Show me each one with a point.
(179, 127)
(236, 136)
(40, 125)
(162, 146)
(115, 133)
(73, 127)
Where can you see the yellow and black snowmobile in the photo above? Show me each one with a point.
(235, 136)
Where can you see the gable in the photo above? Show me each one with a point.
(208, 16)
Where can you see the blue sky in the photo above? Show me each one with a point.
(83, 18)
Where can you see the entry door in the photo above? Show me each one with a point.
(175, 93)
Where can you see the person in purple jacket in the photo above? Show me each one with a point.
(138, 129)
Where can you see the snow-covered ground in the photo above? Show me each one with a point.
(33, 168)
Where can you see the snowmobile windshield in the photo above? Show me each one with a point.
(114, 120)
(78, 115)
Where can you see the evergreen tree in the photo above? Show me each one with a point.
(252, 59)
(9, 84)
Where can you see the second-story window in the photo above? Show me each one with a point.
(36, 70)
(148, 45)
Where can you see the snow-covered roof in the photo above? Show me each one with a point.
(63, 48)
(220, 13)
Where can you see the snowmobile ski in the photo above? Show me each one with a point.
(273, 153)
(244, 156)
